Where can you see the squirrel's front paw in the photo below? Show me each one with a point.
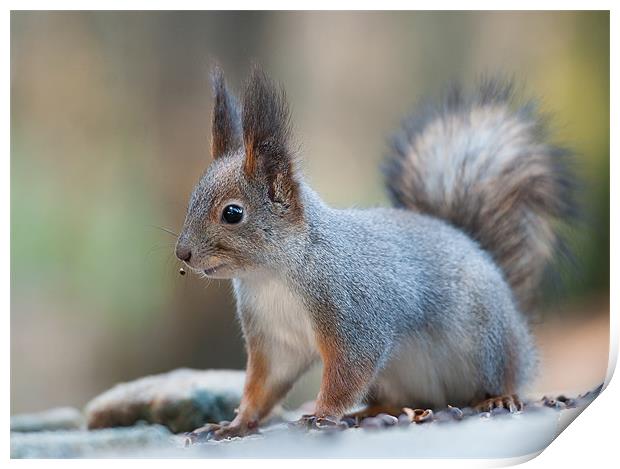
(221, 431)
(319, 422)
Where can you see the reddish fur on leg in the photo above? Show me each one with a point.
(259, 397)
(342, 383)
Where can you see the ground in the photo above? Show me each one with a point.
(141, 414)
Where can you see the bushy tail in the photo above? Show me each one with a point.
(482, 163)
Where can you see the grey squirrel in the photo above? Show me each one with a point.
(416, 305)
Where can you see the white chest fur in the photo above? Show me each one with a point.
(274, 312)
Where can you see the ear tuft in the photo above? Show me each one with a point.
(266, 138)
(266, 125)
(226, 125)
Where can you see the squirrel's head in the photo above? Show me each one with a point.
(247, 202)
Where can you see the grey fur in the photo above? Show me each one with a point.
(482, 162)
(408, 301)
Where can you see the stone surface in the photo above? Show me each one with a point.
(507, 436)
(111, 442)
(182, 400)
(61, 418)
(519, 435)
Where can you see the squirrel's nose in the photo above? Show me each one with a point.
(184, 253)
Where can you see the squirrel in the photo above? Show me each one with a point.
(420, 304)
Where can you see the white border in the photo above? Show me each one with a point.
(5, 244)
(590, 442)
(308, 5)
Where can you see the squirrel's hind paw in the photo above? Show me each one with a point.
(510, 402)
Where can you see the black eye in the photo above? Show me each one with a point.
(232, 214)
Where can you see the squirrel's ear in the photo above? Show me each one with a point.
(226, 125)
(266, 137)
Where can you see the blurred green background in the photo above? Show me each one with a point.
(110, 130)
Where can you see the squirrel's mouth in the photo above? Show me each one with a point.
(214, 269)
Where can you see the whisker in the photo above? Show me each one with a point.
(166, 230)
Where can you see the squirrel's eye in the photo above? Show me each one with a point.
(232, 214)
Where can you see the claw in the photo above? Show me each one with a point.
(512, 403)
(202, 434)
(221, 431)
(320, 423)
